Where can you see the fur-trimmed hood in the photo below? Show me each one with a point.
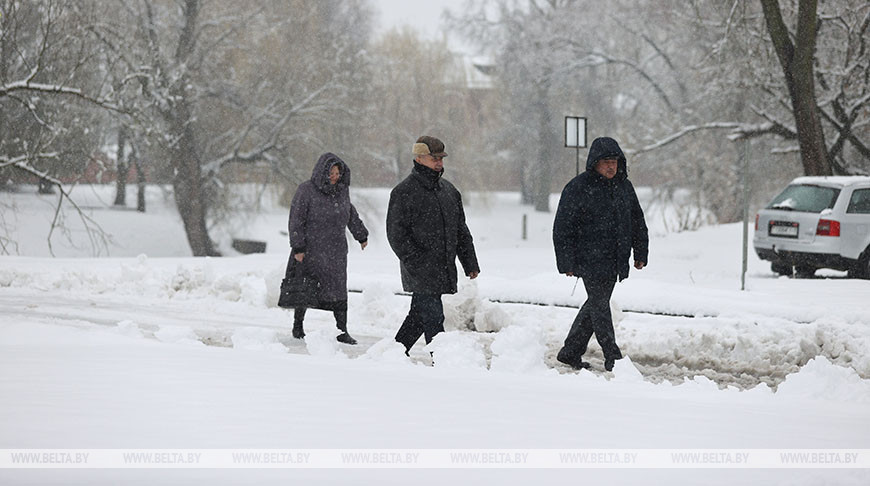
(320, 174)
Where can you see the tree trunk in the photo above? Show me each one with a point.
(190, 195)
(122, 168)
(543, 169)
(5, 59)
(797, 65)
(525, 191)
(140, 180)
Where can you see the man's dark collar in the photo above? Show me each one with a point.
(430, 175)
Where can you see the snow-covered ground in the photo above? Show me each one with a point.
(149, 348)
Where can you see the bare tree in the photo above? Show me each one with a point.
(49, 87)
(219, 92)
(679, 82)
(552, 61)
(420, 87)
(797, 60)
(800, 85)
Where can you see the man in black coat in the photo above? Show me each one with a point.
(598, 224)
(427, 231)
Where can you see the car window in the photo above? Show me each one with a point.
(805, 198)
(860, 202)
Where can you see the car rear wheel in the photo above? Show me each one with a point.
(781, 268)
(862, 267)
(804, 271)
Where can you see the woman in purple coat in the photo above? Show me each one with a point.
(319, 214)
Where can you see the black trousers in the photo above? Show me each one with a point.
(426, 318)
(340, 318)
(594, 318)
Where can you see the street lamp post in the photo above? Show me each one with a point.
(575, 135)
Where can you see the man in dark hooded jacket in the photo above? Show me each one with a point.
(598, 224)
(427, 231)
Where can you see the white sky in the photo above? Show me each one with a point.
(424, 15)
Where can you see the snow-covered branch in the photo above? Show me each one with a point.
(305, 106)
(686, 131)
(595, 58)
(98, 238)
(27, 85)
(736, 131)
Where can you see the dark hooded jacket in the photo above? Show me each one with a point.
(599, 221)
(319, 214)
(427, 231)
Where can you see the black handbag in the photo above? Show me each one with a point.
(299, 288)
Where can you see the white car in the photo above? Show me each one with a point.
(817, 222)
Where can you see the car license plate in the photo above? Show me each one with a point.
(785, 229)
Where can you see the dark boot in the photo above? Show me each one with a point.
(608, 364)
(298, 317)
(298, 332)
(341, 324)
(345, 338)
(573, 361)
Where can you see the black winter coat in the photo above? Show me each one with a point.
(599, 221)
(427, 231)
(319, 216)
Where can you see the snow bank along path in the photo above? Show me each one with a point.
(230, 302)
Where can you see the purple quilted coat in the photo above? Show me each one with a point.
(319, 214)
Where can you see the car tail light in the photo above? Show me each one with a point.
(756, 221)
(828, 227)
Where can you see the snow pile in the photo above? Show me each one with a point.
(203, 280)
(491, 317)
(386, 350)
(698, 384)
(139, 271)
(519, 349)
(190, 279)
(460, 308)
(381, 307)
(743, 345)
(272, 280)
(820, 379)
(321, 342)
(468, 310)
(616, 314)
(257, 339)
(248, 289)
(178, 335)
(844, 344)
(457, 350)
(129, 328)
(624, 371)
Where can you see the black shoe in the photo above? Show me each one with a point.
(608, 364)
(298, 333)
(345, 338)
(575, 362)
